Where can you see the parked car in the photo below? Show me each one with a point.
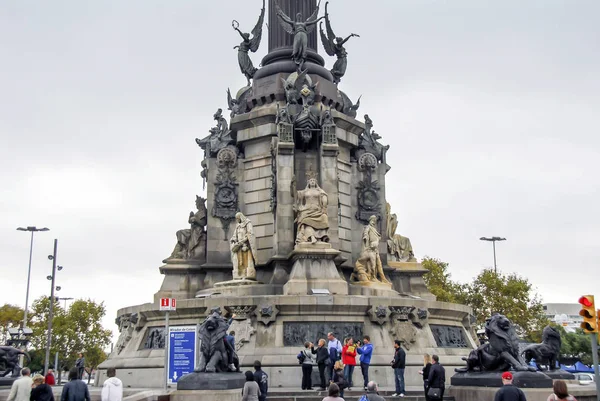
(584, 378)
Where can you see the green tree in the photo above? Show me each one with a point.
(93, 357)
(576, 346)
(510, 295)
(78, 329)
(439, 283)
(11, 316)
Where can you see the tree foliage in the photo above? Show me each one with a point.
(575, 346)
(77, 329)
(11, 316)
(491, 292)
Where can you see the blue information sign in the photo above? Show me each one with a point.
(182, 351)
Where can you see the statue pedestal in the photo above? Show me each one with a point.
(182, 279)
(209, 387)
(314, 268)
(372, 289)
(524, 379)
(407, 278)
(237, 288)
(236, 283)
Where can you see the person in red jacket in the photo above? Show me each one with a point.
(349, 359)
(49, 379)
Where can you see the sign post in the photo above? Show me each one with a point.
(167, 304)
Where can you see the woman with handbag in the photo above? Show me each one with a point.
(425, 373)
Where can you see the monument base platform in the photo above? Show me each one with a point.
(7, 381)
(314, 269)
(371, 289)
(206, 395)
(494, 379)
(212, 381)
(559, 374)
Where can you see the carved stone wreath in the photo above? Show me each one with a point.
(266, 313)
(241, 312)
(401, 312)
(367, 161)
(227, 157)
(379, 314)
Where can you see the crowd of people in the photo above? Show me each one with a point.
(39, 388)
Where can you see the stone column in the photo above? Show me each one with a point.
(284, 218)
(329, 184)
(278, 37)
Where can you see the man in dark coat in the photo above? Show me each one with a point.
(509, 392)
(398, 364)
(80, 365)
(437, 376)
(262, 379)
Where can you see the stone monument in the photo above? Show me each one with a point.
(296, 238)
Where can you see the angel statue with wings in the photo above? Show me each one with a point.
(248, 44)
(300, 29)
(334, 46)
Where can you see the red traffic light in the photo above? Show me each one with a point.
(586, 301)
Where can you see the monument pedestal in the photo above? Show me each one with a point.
(407, 278)
(314, 268)
(182, 279)
(494, 379)
(209, 387)
(372, 289)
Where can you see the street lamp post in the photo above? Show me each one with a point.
(32, 229)
(51, 313)
(493, 241)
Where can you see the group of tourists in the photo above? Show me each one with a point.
(39, 388)
(510, 392)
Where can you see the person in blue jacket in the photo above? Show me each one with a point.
(365, 351)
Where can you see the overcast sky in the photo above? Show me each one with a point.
(490, 108)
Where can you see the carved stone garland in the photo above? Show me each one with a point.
(226, 188)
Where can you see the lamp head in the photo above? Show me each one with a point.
(49, 277)
(50, 257)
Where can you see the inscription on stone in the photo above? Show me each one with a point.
(449, 336)
(296, 333)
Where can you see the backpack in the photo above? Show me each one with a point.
(364, 398)
(301, 357)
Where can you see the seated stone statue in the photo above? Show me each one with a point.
(368, 267)
(311, 214)
(399, 247)
(243, 249)
(191, 242)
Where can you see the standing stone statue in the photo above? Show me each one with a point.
(334, 46)
(243, 249)
(191, 242)
(368, 267)
(399, 247)
(300, 29)
(311, 213)
(248, 44)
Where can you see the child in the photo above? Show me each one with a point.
(338, 377)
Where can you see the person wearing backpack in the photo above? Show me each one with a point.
(322, 360)
(372, 393)
(335, 352)
(307, 360)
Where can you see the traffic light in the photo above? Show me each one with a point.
(588, 311)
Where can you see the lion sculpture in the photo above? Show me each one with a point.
(213, 348)
(501, 353)
(9, 360)
(547, 352)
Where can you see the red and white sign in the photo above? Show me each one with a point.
(167, 304)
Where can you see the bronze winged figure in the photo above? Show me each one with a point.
(334, 46)
(300, 29)
(248, 44)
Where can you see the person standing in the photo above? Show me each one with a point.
(560, 392)
(80, 365)
(50, 379)
(398, 364)
(250, 392)
(21, 388)
(425, 372)
(437, 377)
(365, 351)
(41, 391)
(322, 359)
(307, 366)
(112, 389)
(75, 389)
(509, 392)
(262, 379)
(335, 352)
(349, 360)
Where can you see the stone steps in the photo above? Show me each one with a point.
(309, 395)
